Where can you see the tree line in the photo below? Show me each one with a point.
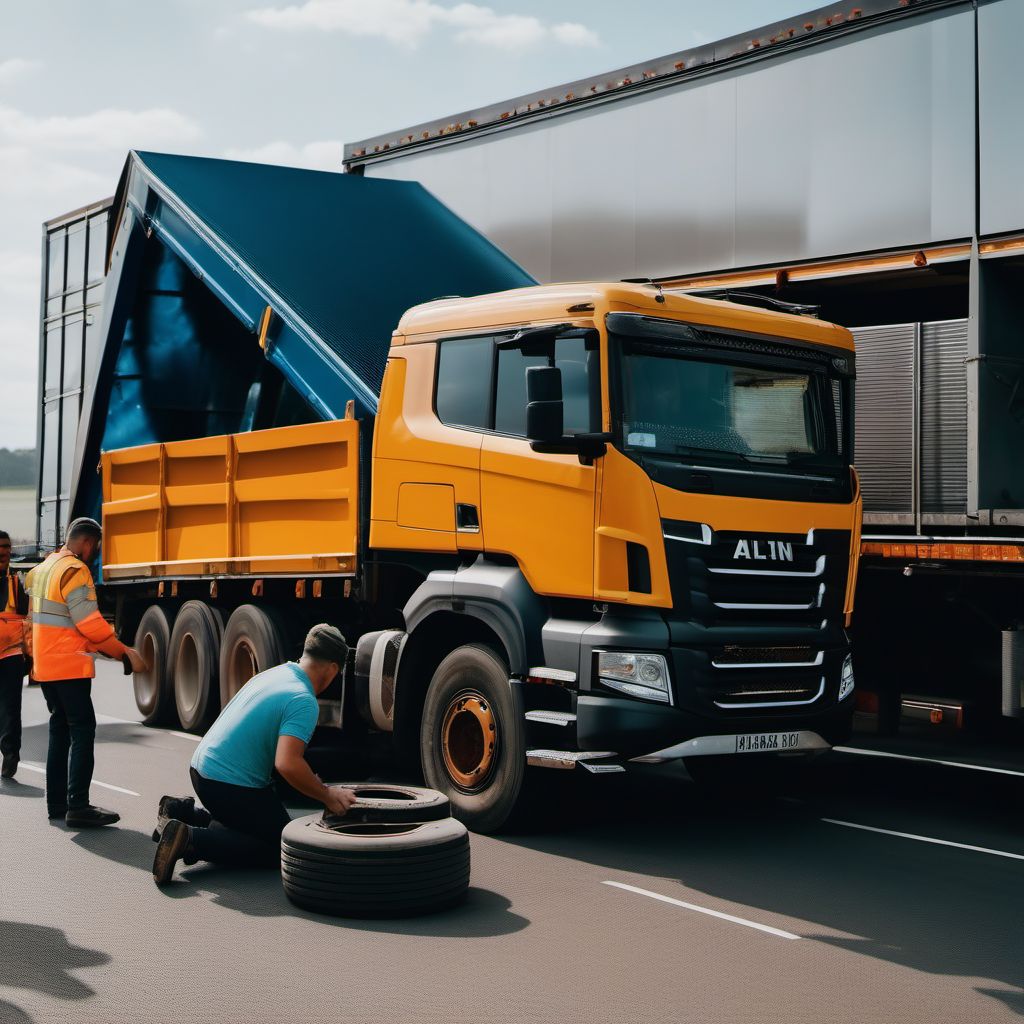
(17, 467)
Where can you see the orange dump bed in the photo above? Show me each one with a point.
(270, 502)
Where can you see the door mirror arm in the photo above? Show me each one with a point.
(587, 446)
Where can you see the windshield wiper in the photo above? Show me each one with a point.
(682, 449)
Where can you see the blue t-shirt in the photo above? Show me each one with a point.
(241, 745)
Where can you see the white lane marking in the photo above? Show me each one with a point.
(705, 910)
(111, 720)
(95, 782)
(928, 760)
(185, 735)
(926, 839)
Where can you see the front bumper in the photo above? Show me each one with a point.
(637, 729)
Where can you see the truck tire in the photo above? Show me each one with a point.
(153, 694)
(388, 804)
(472, 742)
(194, 664)
(348, 869)
(253, 642)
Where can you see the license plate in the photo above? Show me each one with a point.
(766, 742)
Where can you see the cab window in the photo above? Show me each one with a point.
(581, 393)
(484, 388)
(464, 373)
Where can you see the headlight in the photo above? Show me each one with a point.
(639, 675)
(846, 680)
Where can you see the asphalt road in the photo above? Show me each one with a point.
(648, 902)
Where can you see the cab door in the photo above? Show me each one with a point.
(435, 403)
(540, 508)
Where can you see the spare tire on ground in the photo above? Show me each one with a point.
(387, 804)
(353, 868)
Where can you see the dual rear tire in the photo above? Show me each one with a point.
(197, 663)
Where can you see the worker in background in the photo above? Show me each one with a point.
(13, 659)
(66, 630)
(266, 726)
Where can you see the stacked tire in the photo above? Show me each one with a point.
(397, 853)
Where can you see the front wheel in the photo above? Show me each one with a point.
(472, 744)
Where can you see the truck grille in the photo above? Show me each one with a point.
(756, 579)
(758, 617)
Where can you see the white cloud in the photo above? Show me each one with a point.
(103, 129)
(572, 33)
(408, 22)
(318, 156)
(16, 67)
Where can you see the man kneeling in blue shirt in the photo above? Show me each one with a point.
(266, 725)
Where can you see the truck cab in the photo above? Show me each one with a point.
(645, 522)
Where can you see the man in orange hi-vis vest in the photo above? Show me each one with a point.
(66, 630)
(13, 606)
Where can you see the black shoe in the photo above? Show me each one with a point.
(180, 808)
(56, 813)
(9, 767)
(174, 844)
(90, 817)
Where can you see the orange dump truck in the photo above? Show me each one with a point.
(596, 525)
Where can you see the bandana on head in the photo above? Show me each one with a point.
(326, 643)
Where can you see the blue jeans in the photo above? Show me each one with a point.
(69, 758)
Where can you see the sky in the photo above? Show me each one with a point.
(281, 82)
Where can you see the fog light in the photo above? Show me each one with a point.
(846, 680)
(639, 675)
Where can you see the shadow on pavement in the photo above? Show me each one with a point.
(11, 1014)
(15, 787)
(40, 958)
(123, 845)
(931, 908)
(258, 893)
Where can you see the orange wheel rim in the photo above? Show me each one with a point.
(469, 739)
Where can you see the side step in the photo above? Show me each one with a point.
(567, 760)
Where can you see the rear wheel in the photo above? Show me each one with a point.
(194, 664)
(154, 696)
(253, 642)
(471, 738)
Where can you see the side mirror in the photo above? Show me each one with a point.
(544, 403)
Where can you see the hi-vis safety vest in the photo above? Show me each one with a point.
(66, 623)
(12, 618)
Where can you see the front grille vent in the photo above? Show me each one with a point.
(735, 655)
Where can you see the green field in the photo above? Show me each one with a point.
(18, 513)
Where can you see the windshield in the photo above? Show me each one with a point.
(730, 407)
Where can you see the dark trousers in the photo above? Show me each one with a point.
(69, 758)
(12, 670)
(246, 827)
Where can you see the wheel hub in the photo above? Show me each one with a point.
(469, 737)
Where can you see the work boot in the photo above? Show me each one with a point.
(9, 767)
(174, 844)
(181, 808)
(90, 817)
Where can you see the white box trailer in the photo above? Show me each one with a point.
(864, 159)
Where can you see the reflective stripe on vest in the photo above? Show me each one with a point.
(59, 650)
